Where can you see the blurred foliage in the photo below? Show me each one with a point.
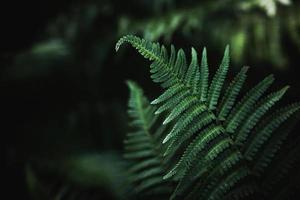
(64, 94)
(270, 6)
(239, 24)
(89, 176)
(38, 61)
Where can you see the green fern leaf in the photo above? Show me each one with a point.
(218, 81)
(141, 145)
(204, 73)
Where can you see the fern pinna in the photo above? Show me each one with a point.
(226, 145)
(142, 146)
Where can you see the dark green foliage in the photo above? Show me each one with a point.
(78, 177)
(229, 142)
(241, 22)
(57, 64)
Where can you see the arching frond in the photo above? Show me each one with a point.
(214, 149)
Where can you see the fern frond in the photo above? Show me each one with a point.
(223, 147)
(141, 146)
(166, 71)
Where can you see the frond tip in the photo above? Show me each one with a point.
(120, 42)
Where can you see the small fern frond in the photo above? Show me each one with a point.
(141, 146)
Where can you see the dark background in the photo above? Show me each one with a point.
(63, 91)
